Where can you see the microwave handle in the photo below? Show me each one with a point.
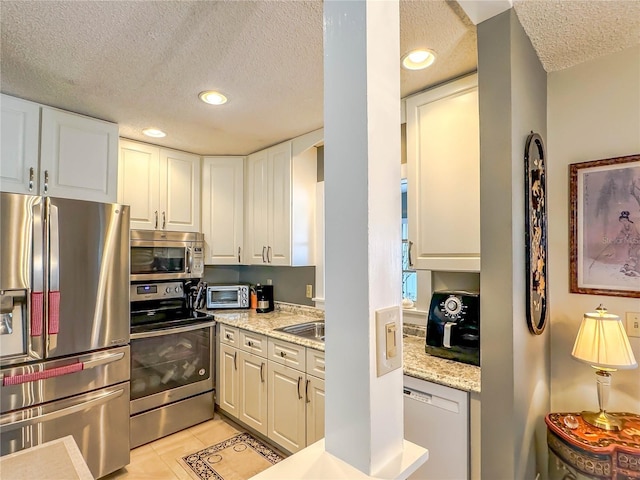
(189, 260)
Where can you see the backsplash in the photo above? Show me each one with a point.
(289, 283)
(303, 310)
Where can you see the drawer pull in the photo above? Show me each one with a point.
(283, 354)
(249, 343)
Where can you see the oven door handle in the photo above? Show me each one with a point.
(170, 331)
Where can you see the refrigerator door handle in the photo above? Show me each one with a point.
(96, 362)
(62, 412)
(54, 275)
(37, 293)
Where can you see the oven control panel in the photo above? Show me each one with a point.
(155, 291)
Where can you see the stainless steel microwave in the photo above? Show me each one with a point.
(228, 296)
(161, 255)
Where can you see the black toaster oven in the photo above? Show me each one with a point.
(453, 326)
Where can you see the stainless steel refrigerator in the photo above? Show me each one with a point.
(64, 326)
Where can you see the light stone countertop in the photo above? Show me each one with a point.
(416, 362)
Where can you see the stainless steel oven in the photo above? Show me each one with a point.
(172, 361)
(161, 255)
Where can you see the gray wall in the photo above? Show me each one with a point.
(515, 363)
(289, 283)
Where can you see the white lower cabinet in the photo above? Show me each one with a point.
(253, 391)
(314, 395)
(227, 382)
(287, 407)
(274, 387)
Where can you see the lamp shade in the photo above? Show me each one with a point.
(602, 342)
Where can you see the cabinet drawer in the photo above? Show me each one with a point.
(286, 353)
(229, 335)
(315, 363)
(253, 342)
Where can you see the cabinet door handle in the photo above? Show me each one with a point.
(46, 182)
(299, 395)
(156, 214)
(263, 250)
(235, 360)
(410, 260)
(306, 391)
(262, 372)
(238, 254)
(164, 221)
(31, 176)
(269, 254)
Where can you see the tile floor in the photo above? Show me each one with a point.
(159, 460)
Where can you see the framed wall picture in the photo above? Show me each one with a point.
(536, 233)
(605, 227)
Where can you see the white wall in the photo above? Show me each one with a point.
(515, 363)
(593, 112)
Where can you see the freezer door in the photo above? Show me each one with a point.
(88, 276)
(98, 421)
(31, 384)
(21, 278)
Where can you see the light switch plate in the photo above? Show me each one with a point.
(633, 324)
(388, 340)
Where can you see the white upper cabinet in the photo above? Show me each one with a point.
(280, 203)
(76, 157)
(222, 210)
(139, 183)
(20, 123)
(180, 191)
(161, 185)
(443, 183)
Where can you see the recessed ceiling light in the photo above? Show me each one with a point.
(418, 59)
(213, 97)
(154, 132)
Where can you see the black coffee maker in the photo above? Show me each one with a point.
(265, 298)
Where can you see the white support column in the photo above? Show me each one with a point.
(364, 413)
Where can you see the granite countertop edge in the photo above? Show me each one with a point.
(416, 362)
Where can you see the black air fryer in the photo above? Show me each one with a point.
(453, 326)
(265, 298)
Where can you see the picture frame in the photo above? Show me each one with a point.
(604, 227)
(535, 180)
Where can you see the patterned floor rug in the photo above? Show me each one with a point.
(237, 458)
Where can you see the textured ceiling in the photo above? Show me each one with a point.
(567, 32)
(142, 63)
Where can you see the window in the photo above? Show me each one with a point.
(409, 276)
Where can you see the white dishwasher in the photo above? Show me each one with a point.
(437, 418)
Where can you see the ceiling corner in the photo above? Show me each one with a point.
(480, 10)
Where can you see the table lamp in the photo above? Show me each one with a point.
(603, 344)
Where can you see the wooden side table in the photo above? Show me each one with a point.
(579, 450)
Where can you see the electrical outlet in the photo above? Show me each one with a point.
(633, 324)
(309, 291)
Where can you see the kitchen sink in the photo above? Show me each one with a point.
(310, 330)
